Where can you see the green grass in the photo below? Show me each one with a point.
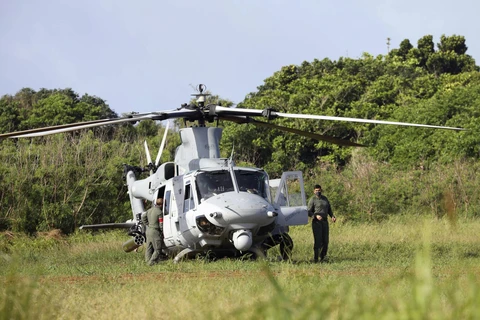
(403, 268)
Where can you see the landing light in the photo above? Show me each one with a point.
(272, 214)
(216, 214)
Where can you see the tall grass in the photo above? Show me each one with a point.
(403, 268)
(24, 298)
(369, 190)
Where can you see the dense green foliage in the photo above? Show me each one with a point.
(64, 181)
(29, 109)
(408, 85)
(71, 179)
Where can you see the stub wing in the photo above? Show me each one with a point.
(125, 225)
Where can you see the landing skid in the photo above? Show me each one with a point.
(181, 254)
(259, 252)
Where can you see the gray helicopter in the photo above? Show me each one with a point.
(211, 206)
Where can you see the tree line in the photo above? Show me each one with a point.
(66, 180)
(409, 84)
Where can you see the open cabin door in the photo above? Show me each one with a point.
(173, 209)
(289, 196)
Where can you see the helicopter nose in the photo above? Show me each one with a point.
(240, 211)
(242, 239)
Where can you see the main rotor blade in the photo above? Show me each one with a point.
(320, 137)
(49, 131)
(315, 136)
(184, 113)
(273, 114)
(13, 134)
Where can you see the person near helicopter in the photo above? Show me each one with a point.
(319, 209)
(153, 221)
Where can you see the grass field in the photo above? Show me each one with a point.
(403, 268)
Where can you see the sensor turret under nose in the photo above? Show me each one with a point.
(242, 239)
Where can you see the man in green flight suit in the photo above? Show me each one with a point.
(153, 221)
(319, 209)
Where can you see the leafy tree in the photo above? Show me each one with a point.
(403, 51)
(28, 109)
(453, 43)
(9, 114)
(426, 47)
(450, 62)
(453, 104)
(147, 128)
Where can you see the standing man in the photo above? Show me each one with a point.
(152, 220)
(319, 209)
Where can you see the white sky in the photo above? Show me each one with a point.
(146, 55)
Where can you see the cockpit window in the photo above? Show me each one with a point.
(211, 183)
(252, 182)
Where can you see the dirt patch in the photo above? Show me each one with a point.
(128, 277)
(8, 235)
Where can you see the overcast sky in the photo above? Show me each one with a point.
(146, 55)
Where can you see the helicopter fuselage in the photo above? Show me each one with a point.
(215, 212)
(210, 205)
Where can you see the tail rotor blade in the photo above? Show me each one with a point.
(149, 158)
(162, 145)
(147, 152)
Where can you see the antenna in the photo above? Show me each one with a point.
(231, 155)
(201, 97)
(229, 161)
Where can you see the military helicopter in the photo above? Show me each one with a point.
(211, 206)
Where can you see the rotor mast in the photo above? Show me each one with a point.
(201, 99)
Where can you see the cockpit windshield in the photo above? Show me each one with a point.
(252, 182)
(211, 183)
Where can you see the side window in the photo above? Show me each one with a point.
(166, 202)
(283, 196)
(291, 192)
(189, 204)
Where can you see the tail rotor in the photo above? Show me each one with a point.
(153, 166)
(162, 145)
